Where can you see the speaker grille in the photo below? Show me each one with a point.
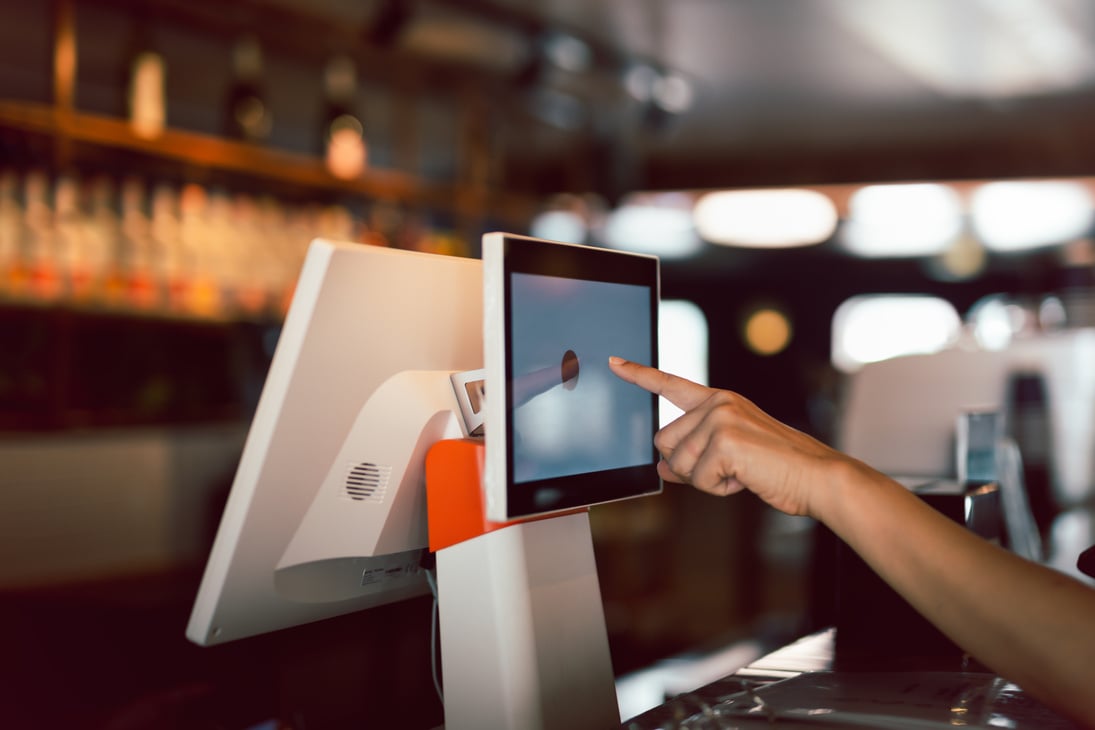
(367, 482)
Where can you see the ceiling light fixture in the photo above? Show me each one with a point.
(778, 218)
(1014, 216)
(918, 219)
(655, 224)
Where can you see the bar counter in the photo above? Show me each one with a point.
(803, 685)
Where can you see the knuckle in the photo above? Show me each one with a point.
(726, 402)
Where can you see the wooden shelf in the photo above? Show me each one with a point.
(215, 153)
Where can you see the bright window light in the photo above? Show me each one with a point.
(765, 218)
(559, 225)
(877, 327)
(920, 219)
(682, 347)
(1012, 216)
(659, 225)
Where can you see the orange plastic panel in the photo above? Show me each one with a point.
(454, 493)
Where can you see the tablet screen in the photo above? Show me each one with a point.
(571, 434)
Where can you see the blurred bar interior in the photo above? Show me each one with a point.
(870, 217)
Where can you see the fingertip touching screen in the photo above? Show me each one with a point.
(565, 432)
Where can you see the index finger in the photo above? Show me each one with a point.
(679, 391)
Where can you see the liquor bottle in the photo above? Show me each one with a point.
(11, 227)
(74, 264)
(169, 261)
(342, 133)
(219, 247)
(129, 227)
(146, 106)
(42, 274)
(202, 294)
(247, 260)
(282, 231)
(136, 280)
(247, 113)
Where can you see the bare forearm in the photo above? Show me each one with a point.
(1031, 624)
(1028, 623)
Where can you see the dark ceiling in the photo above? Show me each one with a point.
(794, 91)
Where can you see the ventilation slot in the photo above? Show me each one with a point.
(367, 482)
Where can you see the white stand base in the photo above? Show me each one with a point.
(523, 639)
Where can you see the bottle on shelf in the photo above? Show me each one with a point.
(247, 111)
(278, 246)
(382, 223)
(302, 225)
(146, 72)
(219, 252)
(136, 281)
(342, 132)
(76, 264)
(41, 277)
(103, 232)
(202, 295)
(11, 235)
(247, 263)
(169, 262)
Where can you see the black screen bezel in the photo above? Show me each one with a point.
(545, 258)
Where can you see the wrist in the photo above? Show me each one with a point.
(842, 479)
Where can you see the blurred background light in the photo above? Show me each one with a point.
(1052, 315)
(767, 331)
(568, 52)
(875, 327)
(654, 224)
(1012, 216)
(559, 225)
(682, 347)
(995, 321)
(673, 93)
(920, 219)
(639, 80)
(559, 109)
(964, 259)
(765, 218)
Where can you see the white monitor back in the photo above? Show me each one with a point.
(899, 415)
(367, 325)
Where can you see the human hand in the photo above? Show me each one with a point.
(724, 443)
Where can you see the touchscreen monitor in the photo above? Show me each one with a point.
(562, 432)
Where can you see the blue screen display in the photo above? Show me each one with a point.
(571, 415)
